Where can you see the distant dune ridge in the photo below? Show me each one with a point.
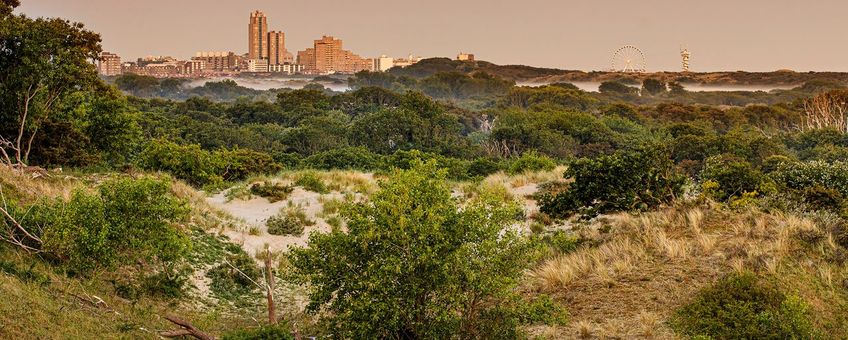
(530, 74)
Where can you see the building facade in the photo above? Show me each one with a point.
(287, 68)
(217, 61)
(109, 64)
(257, 35)
(277, 53)
(383, 63)
(257, 65)
(328, 56)
(462, 56)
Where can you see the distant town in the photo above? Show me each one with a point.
(266, 54)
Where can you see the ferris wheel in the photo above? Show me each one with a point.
(628, 58)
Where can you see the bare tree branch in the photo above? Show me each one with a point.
(187, 329)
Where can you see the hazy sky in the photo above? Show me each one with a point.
(755, 35)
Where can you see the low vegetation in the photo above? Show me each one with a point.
(441, 201)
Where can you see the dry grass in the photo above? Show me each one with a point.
(520, 180)
(25, 188)
(606, 262)
(650, 264)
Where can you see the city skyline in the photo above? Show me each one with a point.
(567, 35)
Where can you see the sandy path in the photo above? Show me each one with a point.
(255, 211)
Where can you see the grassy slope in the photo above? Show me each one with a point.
(39, 301)
(640, 269)
(648, 266)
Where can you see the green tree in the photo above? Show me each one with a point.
(653, 87)
(6, 6)
(415, 265)
(613, 87)
(43, 61)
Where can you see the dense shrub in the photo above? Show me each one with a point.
(734, 176)
(187, 162)
(405, 159)
(128, 220)
(358, 158)
(531, 161)
(202, 167)
(238, 164)
(627, 180)
(482, 167)
(801, 175)
(740, 306)
(561, 241)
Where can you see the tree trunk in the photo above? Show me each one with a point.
(269, 279)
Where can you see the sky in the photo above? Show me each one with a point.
(722, 35)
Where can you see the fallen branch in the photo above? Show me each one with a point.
(187, 329)
(12, 227)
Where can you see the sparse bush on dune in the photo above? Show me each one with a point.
(311, 182)
(274, 192)
(289, 221)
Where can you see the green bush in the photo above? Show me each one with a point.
(482, 167)
(310, 182)
(818, 197)
(186, 162)
(238, 164)
(128, 220)
(627, 180)
(357, 158)
(531, 161)
(280, 331)
(274, 192)
(739, 306)
(735, 176)
(457, 169)
(802, 175)
(561, 241)
(204, 168)
(412, 261)
(288, 222)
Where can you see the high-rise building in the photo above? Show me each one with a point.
(328, 56)
(277, 53)
(109, 64)
(257, 36)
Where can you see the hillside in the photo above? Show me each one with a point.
(529, 74)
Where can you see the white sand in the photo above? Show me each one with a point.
(255, 211)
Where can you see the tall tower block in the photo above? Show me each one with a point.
(257, 36)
